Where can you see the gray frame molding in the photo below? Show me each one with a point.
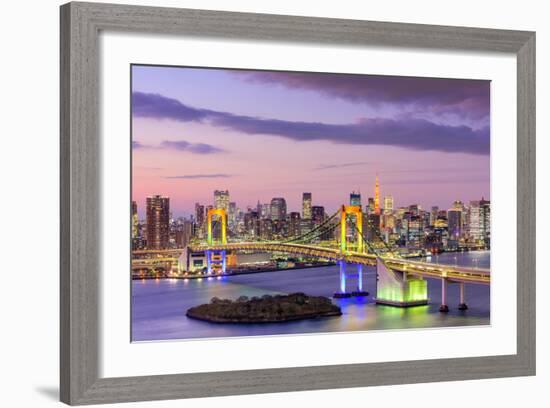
(80, 234)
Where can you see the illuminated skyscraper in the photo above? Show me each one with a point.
(388, 204)
(370, 206)
(479, 221)
(221, 200)
(134, 220)
(355, 199)
(376, 197)
(306, 206)
(454, 222)
(158, 219)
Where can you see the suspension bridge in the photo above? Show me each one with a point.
(400, 282)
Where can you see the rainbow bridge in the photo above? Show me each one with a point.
(400, 282)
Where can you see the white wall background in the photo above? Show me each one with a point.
(29, 56)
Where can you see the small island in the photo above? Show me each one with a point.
(265, 309)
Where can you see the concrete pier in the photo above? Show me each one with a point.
(444, 308)
(462, 305)
(395, 288)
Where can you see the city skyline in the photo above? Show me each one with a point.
(427, 139)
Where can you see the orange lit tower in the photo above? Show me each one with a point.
(377, 197)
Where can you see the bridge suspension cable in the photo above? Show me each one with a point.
(370, 247)
(305, 236)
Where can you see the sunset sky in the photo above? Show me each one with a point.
(264, 134)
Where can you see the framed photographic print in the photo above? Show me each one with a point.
(286, 204)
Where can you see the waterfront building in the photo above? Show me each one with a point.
(135, 227)
(454, 223)
(479, 228)
(158, 218)
(306, 206)
(414, 231)
(134, 220)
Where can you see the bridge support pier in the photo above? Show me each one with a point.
(359, 291)
(215, 262)
(394, 288)
(343, 276)
(444, 308)
(462, 305)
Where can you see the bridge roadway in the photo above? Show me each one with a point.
(424, 269)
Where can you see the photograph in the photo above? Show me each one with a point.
(290, 203)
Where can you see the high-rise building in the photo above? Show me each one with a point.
(388, 204)
(376, 196)
(265, 229)
(479, 228)
(184, 232)
(458, 205)
(221, 200)
(232, 215)
(158, 222)
(251, 225)
(355, 199)
(454, 223)
(306, 206)
(199, 219)
(372, 227)
(317, 214)
(294, 224)
(415, 231)
(135, 220)
(265, 210)
(433, 215)
(278, 209)
(370, 206)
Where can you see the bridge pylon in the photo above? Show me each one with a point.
(220, 212)
(356, 211)
(216, 260)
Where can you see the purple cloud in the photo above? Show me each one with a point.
(148, 105)
(200, 176)
(182, 145)
(338, 166)
(138, 145)
(405, 132)
(464, 98)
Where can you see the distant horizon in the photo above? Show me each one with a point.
(265, 134)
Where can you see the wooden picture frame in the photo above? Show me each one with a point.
(81, 24)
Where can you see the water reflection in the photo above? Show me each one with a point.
(159, 306)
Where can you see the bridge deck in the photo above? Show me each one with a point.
(418, 268)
